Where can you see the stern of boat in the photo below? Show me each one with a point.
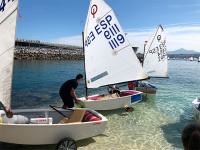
(43, 134)
(136, 96)
(196, 111)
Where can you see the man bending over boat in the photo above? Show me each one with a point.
(67, 91)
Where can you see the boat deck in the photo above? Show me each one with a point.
(112, 96)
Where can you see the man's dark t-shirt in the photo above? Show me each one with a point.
(65, 92)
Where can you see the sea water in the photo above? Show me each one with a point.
(155, 124)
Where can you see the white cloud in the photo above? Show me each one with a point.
(189, 8)
(190, 5)
(178, 36)
(197, 11)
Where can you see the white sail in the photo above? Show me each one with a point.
(8, 17)
(155, 56)
(109, 58)
(191, 59)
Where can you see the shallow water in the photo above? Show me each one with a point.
(156, 123)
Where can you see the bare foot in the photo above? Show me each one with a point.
(129, 109)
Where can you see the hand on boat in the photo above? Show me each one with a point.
(9, 113)
(77, 100)
(64, 120)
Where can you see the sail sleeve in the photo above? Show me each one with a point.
(8, 17)
(109, 57)
(155, 56)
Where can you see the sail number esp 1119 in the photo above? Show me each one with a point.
(110, 31)
(3, 4)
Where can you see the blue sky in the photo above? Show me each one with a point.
(63, 20)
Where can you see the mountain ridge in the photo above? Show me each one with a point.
(183, 51)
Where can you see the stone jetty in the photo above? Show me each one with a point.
(37, 50)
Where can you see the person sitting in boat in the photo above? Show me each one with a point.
(191, 137)
(112, 89)
(67, 91)
(132, 85)
(198, 107)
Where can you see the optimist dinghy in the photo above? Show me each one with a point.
(37, 126)
(47, 126)
(196, 108)
(109, 59)
(155, 61)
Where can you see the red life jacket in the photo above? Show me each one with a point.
(90, 117)
(131, 85)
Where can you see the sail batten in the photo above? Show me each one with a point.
(8, 17)
(109, 58)
(155, 56)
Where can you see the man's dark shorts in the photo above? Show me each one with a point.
(67, 100)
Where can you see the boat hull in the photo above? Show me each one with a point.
(42, 134)
(112, 103)
(195, 109)
(146, 90)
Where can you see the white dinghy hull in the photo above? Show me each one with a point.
(147, 90)
(42, 134)
(130, 98)
(195, 104)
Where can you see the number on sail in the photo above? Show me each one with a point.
(2, 6)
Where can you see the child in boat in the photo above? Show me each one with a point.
(132, 85)
(112, 89)
(67, 91)
(191, 137)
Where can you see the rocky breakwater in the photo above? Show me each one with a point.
(47, 53)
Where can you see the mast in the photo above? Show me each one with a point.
(86, 89)
(145, 43)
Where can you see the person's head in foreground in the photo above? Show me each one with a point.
(79, 78)
(191, 137)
